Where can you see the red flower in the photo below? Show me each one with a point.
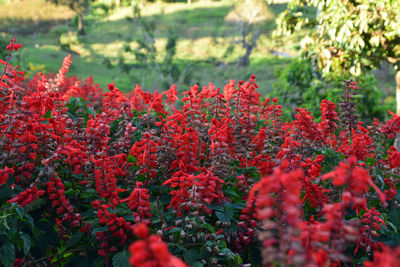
(141, 230)
(138, 202)
(13, 46)
(151, 251)
(388, 257)
(4, 174)
(393, 157)
(277, 201)
(172, 95)
(356, 179)
(27, 197)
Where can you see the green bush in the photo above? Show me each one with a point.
(68, 39)
(302, 85)
(3, 43)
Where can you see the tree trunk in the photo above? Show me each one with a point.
(248, 45)
(81, 24)
(397, 140)
(245, 60)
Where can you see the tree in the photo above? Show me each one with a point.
(79, 7)
(351, 35)
(250, 17)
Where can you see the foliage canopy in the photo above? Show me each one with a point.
(352, 35)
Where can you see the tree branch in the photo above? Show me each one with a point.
(58, 254)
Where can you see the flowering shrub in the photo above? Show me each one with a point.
(214, 179)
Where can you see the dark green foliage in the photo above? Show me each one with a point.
(302, 85)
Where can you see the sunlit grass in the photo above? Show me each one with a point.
(207, 48)
(23, 16)
(204, 38)
(24, 10)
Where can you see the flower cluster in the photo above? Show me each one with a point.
(151, 251)
(216, 178)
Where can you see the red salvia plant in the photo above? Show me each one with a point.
(138, 202)
(150, 250)
(385, 257)
(84, 173)
(277, 201)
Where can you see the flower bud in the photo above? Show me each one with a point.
(182, 234)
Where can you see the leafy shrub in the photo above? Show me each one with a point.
(218, 176)
(301, 85)
(3, 43)
(68, 39)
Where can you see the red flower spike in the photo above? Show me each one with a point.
(386, 257)
(151, 251)
(138, 202)
(13, 46)
(27, 197)
(141, 230)
(4, 173)
(393, 158)
(277, 201)
(356, 179)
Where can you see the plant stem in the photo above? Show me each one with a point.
(58, 254)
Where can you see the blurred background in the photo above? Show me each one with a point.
(160, 43)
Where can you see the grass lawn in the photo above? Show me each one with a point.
(207, 46)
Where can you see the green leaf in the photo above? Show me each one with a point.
(374, 40)
(227, 252)
(224, 216)
(378, 173)
(370, 161)
(231, 192)
(174, 230)
(5, 225)
(121, 259)
(37, 204)
(15, 237)
(6, 192)
(191, 256)
(80, 261)
(7, 254)
(197, 264)
(237, 206)
(237, 260)
(131, 159)
(29, 220)
(92, 111)
(392, 226)
(100, 229)
(394, 216)
(209, 227)
(26, 239)
(74, 239)
(20, 211)
(47, 115)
